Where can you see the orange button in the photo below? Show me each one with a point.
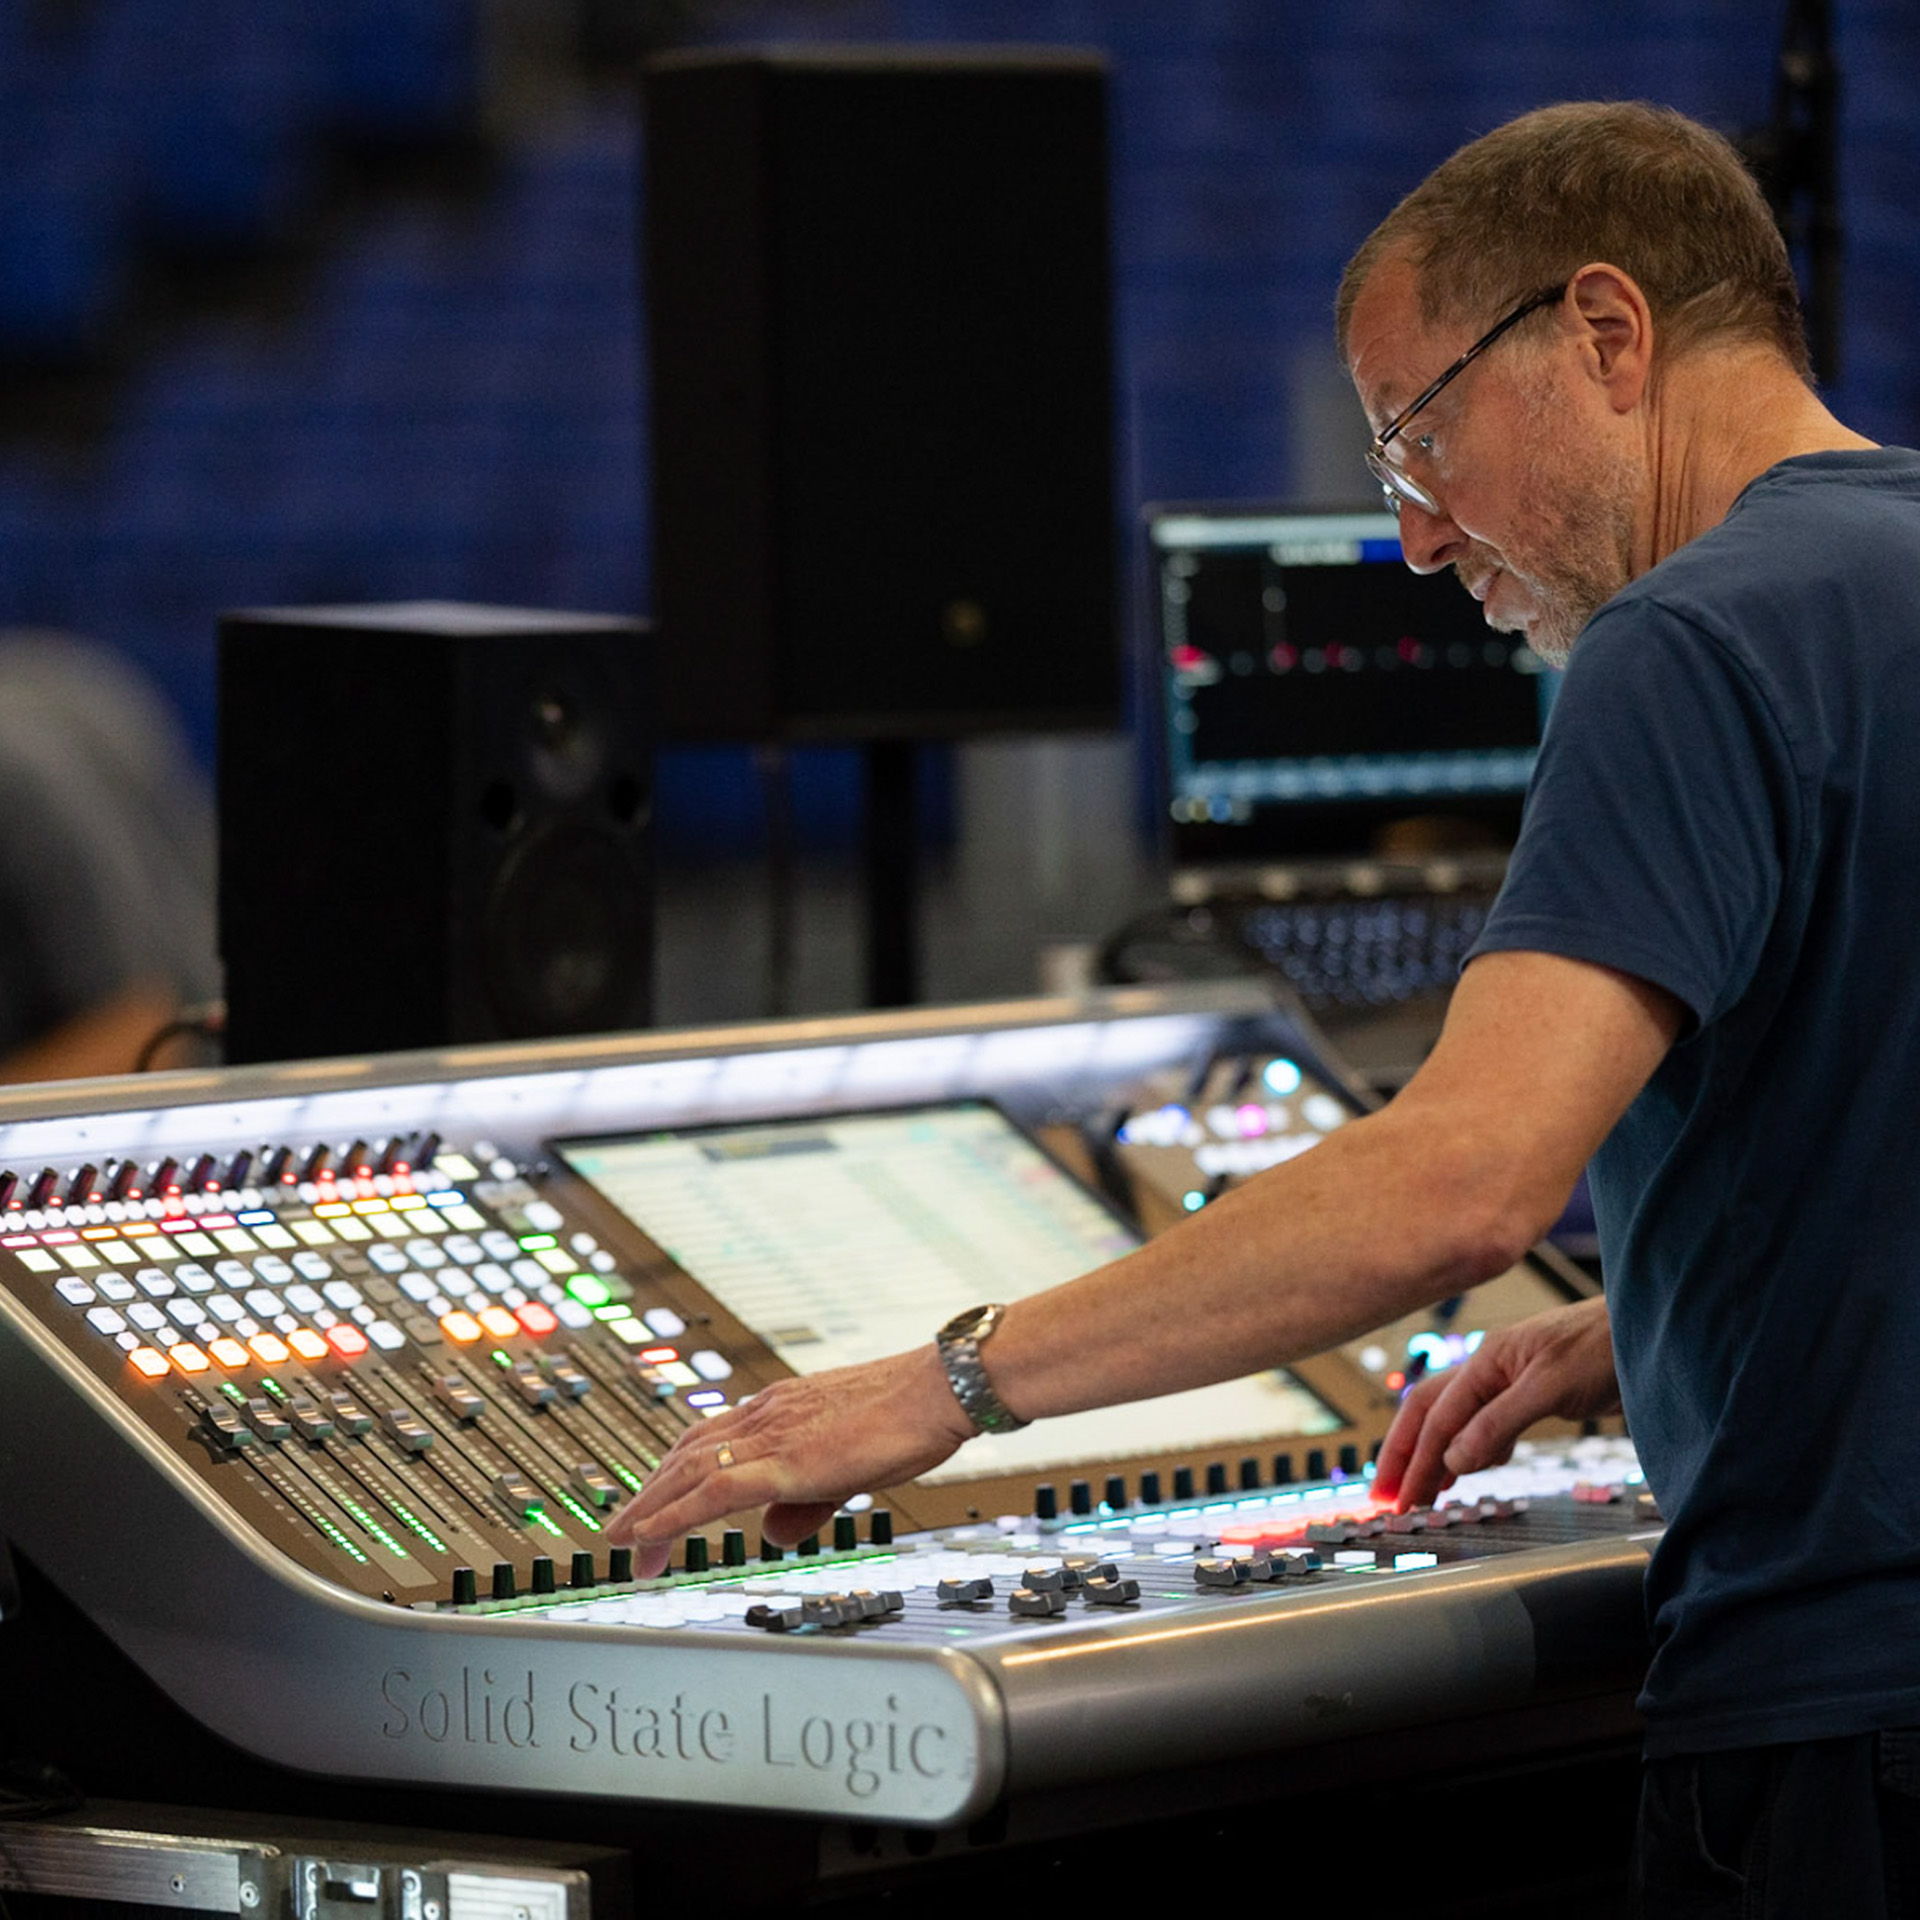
(149, 1360)
(269, 1348)
(499, 1322)
(460, 1326)
(230, 1353)
(187, 1357)
(307, 1344)
(535, 1317)
(346, 1340)
(659, 1356)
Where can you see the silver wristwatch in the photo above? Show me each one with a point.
(960, 1341)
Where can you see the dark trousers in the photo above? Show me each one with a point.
(1824, 1828)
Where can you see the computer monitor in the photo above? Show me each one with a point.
(1317, 691)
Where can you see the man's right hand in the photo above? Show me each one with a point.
(1470, 1416)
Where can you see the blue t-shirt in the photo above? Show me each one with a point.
(1727, 804)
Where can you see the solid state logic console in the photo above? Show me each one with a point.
(319, 1385)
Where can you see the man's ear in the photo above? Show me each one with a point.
(1615, 324)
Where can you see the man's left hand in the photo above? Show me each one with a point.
(800, 1448)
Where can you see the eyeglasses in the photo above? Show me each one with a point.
(1395, 481)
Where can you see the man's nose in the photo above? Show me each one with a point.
(1429, 541)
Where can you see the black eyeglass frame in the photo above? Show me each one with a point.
(1395, 482)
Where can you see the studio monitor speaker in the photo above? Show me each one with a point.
(879, 320)
(433, 827)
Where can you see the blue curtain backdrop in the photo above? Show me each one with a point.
(445, 401)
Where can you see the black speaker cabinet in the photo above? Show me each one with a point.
(882, 393)
(433, 827)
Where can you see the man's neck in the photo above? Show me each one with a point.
(1721, 422)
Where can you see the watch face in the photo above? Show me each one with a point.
(969, 1325)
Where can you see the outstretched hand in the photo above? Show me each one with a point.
(799, 1448)
(1470, 1416)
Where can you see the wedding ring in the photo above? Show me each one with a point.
(723, 1454)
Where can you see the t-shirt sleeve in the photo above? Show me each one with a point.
(1661, 816)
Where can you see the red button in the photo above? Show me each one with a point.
(346, 1340)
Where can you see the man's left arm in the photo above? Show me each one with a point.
(1446, 1187)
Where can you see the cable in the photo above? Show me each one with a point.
(208, 1020)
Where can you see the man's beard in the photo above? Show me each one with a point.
(1575, 551)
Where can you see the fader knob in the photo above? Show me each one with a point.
(1283, 1469)
(81, 1189)
(580, 1574)
(768, 1551)
(358, 1161)
(542, 1573)
(1316, 1463)
(1149, 1488)
(619, 1566)
(1349, 1459)
(426, 1151)
(315, 1165)
(696, 1553)
(9, 1184)
(120, 1184)
(809, 1546)
(1046, 1503)
(846, 1533)
(1116, 1492)
(733, 1548)
(238, 1168)
(41, 1192)
(1216, 1477)
(503, 1581)
(200, 1177)
(1183, 1483)
(166, 1177)
(278, 1167)
(466, 1587)
(880, 1527)
(1080, 1497)
(1249, 1475)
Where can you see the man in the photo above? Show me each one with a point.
(1579, 347)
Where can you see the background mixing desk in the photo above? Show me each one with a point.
(319, 1384)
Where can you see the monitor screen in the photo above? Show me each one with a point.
(847, 1237)
(1316, 690)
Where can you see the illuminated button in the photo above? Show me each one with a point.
(194, 1277)
(155, 1283)
(313, 1266)
(659, 1356)
(187, 1357)
(185, 1313)
(229, 1353)
(419, 1286)
(572, 1314)
(269, 1349)
(460, 1326)
(544, 1215)
(308, 1344)
(346, 1340)
(677, 1373)
(388, 1259)
(304, 1299)
(233, 1273)
(665, 1322)
(710, 1365)
(499, 1322)
(271, 1269)
(530, 1273)
(76, 1293)
(426, 1253)
(536, 1318)
(589, 1290)
(106, 1320)
(556, 1260)
(386, 1336)
(112, 1287)
(465, 1249)
(494, 1277)
(224, 1307)
(342, 1294)
(502, 1246)
(146, 1316)
(264, 1304)
(149, 1360)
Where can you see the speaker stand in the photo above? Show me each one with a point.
(890, 849)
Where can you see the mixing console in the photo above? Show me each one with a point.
(318, 1386)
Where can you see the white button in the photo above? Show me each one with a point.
(273, 1270)
(530, 1273)
(113, 1287)
(155, 1283)
(106, 1320)
(143, 1313)
(544, 1216)
(494, 1277)
(710, 1365)
(343, 1293)
(503, 1246)
(265, 1302)
(304, 1299)
(665, 1322)
(236, 1273)
(417, 1286)
(582, 1243)
(387, 1258)
(186, 1313)
(223, 1306)
(426, 1253)
(386, 1336)
(315, 1266)
(76, 1293)
(464, 1248)
(365, 1315)
(572, 1313)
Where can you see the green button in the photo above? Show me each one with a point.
(590, 1290)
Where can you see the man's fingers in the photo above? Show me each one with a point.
(1403, 1436)
(1487, 1438)
(1460, 1394)
(787, 1523)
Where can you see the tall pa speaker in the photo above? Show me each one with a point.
(882, 393)
(433, 827)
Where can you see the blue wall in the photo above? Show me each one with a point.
(452, 407)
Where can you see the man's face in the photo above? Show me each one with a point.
(1536, 499)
